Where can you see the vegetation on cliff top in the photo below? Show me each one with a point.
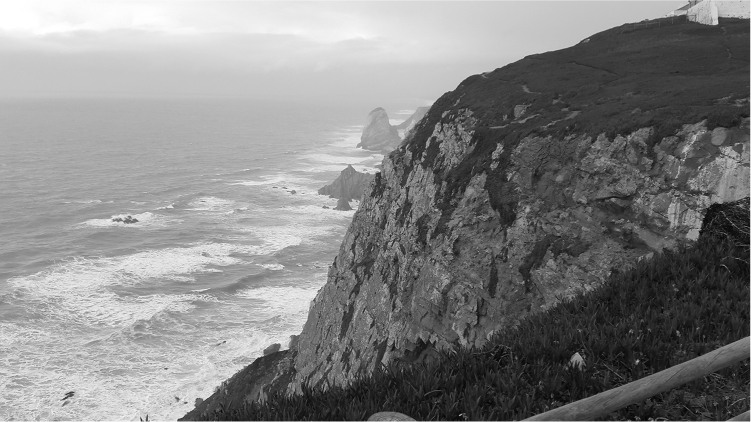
(662, 312)
(614, 82)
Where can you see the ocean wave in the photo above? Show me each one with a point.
(355, 158)
(281, 181)
(81, 289)
(145, 219)
(272, 267)
(211, 203)
(86, 201)
(338, 168)
(316, 213)
(167, 207)
(276, 300)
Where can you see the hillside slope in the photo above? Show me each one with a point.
(527, 185)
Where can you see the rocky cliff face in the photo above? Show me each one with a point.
(515, 192)
(529, 184)
(378, 134)
(349, 185)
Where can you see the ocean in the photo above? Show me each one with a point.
(231, 244)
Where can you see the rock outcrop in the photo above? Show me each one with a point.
(378, 134)
(349, 185)
(530, 184)
(410, 123)
(125, 220)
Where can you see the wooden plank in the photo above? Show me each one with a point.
(389, 416)
(639, 390)
(742, 417)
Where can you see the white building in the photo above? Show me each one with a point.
(679, 12)
(708, 12)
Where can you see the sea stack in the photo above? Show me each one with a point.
(378, 134)
(349, 185)
(343, 205)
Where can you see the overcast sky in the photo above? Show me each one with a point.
(322, 51)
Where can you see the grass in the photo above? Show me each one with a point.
(664, 311)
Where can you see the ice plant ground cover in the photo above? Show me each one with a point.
(663, 311)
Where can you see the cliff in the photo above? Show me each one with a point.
(378, 134)
(349, 185)
(412, 120)
(526, 185)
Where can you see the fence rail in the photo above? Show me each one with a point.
(634, 392)
(639, 390)
(670, 20)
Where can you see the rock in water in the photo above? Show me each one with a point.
(127, 220)
(343, 205)
(349, 185)
(378, 134)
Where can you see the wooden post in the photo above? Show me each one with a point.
(742, 417)
(639, 390)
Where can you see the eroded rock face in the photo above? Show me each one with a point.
(378, 134)
(349, 185)
(411, 277)
(527, 185)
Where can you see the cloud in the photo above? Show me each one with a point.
(416, 49)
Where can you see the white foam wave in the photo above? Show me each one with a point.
(80, 289)
(316, 213)
(126, 382)
(355, 158)
(13, 333)
(280, 181)
(300, 232)
(85, 201)
(145, 219)
(211, 203)
(282, 299)
(167, 207)
(272, 267)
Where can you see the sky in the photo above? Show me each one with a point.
(314, 51)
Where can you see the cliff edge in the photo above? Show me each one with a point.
(526, 185)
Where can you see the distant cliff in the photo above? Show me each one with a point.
(524, 186)
(412, 120)
(349, 185)
(378, 134)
